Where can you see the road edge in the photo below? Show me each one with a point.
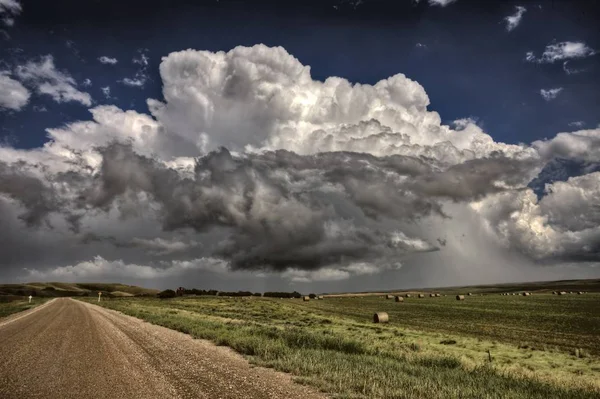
(19, 315)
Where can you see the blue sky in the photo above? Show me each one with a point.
(480, 164)
(462, 54)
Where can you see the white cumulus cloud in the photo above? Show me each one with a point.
(441, 3)
(512, 21)
(46, 79)
(141, 75)
(562, 51)
(580, 145)
(550, 94)
(106, 91)
(118, 269)
(13, 95)
(107, 60)
(577, 123)
(8, 10)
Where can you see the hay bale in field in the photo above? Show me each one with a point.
(438, 295)
(526, 294)
(553, 292)
(320, 297)
(580, 293)
(306, 298)
(460, 297)
(421, 296)
(407, 295)
(470, 294)
(389, 297)
(399, 298)
(431, 295)
(381, 317)
(562, 293)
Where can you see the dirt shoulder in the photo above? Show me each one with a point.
(70, 349)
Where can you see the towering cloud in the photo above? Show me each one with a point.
(251, 165)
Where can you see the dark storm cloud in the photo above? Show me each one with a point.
(474, 179)
(283, 210)
(36, 197)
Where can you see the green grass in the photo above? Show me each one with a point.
(432, 347)
(18, 305)
(540, 321)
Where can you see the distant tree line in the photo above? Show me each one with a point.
(283, 294)
(195, 291)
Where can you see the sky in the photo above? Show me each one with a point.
(314, 146)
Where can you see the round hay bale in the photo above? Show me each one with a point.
(580, 293)
(306, 298)
(389, 297)
(431, 295)
(562, 293)
(526, 293)
(470, 294)
(399, 298)
(421, 296)
(553, 292)
(381, 317)
(438, 295)
(460, 297)
(407, 295)
(320, 297)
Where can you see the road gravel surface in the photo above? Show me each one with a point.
(71, 349)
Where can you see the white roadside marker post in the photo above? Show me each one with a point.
(30, 298)
(99, 295)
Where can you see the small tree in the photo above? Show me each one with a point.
(167, 294)
(312, 296)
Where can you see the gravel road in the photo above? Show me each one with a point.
(70, 349)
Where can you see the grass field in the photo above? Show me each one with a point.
(18, 305)
(543, 346)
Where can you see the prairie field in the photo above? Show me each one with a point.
(8, 307)
(487, 346)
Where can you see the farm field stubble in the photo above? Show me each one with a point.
(540, 346)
